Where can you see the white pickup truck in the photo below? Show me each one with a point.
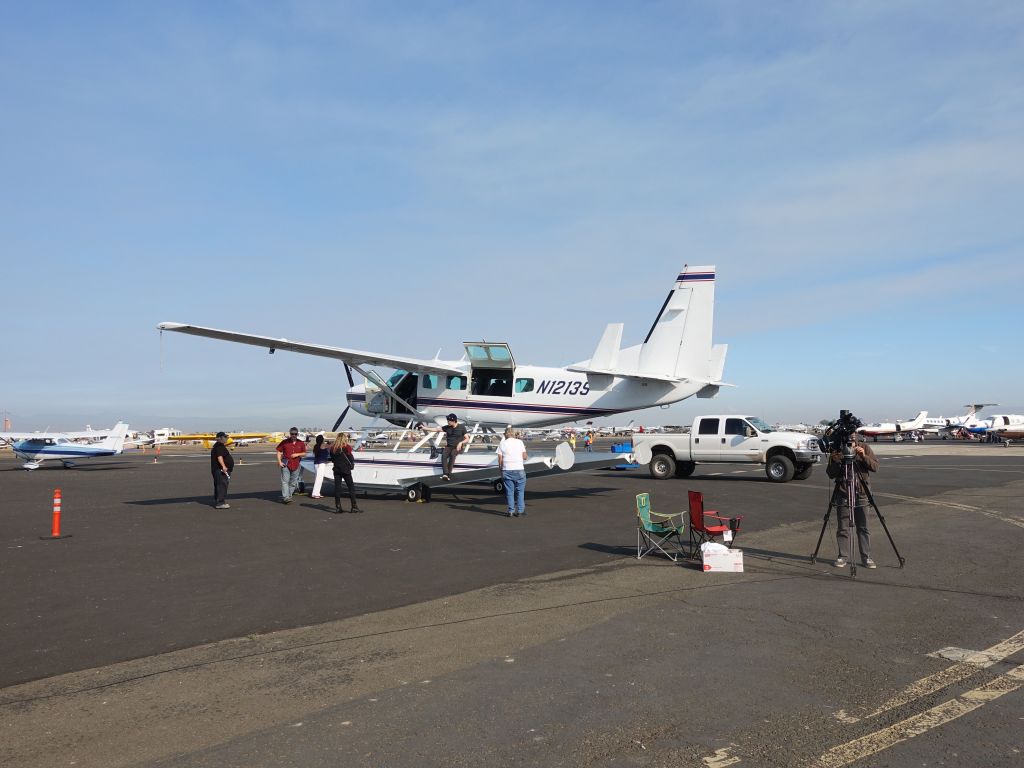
(729, 440)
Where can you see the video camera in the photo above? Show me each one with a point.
(839, 434)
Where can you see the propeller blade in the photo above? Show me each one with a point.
(340, 418)
(348, 372)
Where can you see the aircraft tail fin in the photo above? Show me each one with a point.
(678, 346)
(679, 342)
(917, 421)
(606, 356)
(973, 408)
(115, 440)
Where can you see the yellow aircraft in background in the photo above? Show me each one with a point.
(234, 438)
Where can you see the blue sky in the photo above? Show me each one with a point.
(405, 176)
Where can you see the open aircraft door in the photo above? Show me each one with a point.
(493, 368)
(491, 379)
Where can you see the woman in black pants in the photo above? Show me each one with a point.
(344, 462)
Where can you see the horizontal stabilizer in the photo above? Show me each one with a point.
(635, 375)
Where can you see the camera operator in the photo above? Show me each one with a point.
(864, 461)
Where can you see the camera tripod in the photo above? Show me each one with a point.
(853, 484)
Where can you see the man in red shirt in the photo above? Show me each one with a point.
(289, 454)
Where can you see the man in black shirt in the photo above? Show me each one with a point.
(221, 464)
(455, 439)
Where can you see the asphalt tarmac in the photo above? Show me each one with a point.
(166, 633)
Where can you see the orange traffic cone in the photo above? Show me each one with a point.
(55, 525)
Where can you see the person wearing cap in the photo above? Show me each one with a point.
(455, 440)
(221, 464)
(289, 456)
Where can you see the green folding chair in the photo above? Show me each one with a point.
(655, 532)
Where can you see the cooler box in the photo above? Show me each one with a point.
(723, 562)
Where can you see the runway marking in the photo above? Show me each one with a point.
(954, 505)
(972, 662)
(721, 758)
(951, 504)
(907, 729)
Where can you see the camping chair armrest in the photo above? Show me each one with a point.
(667, 517)
(723, 519)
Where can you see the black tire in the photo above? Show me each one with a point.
(803, 471)
(414, 493)
(498, 485)
(779, 469)
(662, 466)
(685, 468)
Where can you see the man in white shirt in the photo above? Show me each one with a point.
(511, 455)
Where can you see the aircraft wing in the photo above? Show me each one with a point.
(350, 356)
(9, 436)
(213, 436)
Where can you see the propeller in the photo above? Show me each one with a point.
(340, 419)
(351, 383)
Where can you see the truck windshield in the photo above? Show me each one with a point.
(759, 425)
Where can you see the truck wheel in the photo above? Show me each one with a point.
(662, 466)
(779, 469)
(685, 468)
(803, 471)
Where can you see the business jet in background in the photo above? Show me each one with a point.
(894, 430)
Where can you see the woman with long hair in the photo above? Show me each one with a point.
(344, 462)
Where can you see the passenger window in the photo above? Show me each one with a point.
(428, 380)
(524, 385)
(735, 427)
(708, 427)
(457, 382)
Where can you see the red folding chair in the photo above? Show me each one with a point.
(700, 531)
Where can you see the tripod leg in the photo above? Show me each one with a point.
(885, 527)
(824, 524)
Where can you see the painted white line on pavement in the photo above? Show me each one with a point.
(936, 682)
(907, 729)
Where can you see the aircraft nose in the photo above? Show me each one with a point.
(356, 398)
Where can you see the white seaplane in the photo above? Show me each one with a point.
(487, 389)
(36, 447)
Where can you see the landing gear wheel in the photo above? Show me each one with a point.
(803, 471)
(415, 493)
(498, 486)
(780, 469)
(685, 468)
(662, 466)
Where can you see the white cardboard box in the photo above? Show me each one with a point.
(724, 562)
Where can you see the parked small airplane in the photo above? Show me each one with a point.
(675, 361)
(893, 430)
(36, 447)
(209, 438)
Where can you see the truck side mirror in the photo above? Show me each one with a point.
(751, 432)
